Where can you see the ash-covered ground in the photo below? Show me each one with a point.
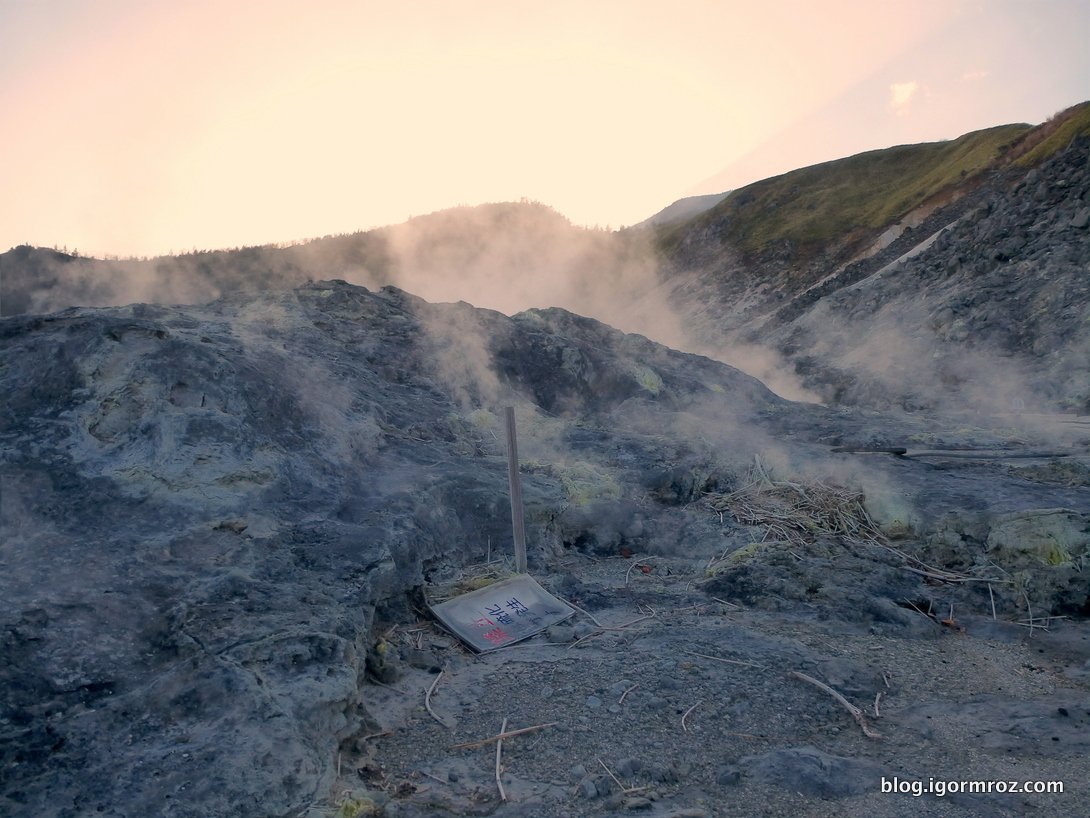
(220, 524)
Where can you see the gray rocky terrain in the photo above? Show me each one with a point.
(977, 298)
(972, 296)
(222, 525)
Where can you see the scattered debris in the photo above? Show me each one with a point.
(855, 712)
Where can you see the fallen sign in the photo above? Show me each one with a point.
(512, 609)
(502, 614)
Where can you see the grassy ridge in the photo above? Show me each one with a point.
(1055, 134)
(833, 201)
(870, 190)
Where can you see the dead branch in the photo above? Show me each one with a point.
(617, 781)
(502, 735)
(434, 777)
(635, 564)
(427, 700)
(855, 712)
(724, 661)
(686, 715)
(370, 736)
(499, 753)
(605, 628)
(728, 604)
(587, 614)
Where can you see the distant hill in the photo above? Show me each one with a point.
(834, 201)
(684, 209)
(904, 275)
(799, 279)
(505, 256)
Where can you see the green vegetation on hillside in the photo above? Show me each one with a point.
(870, 190)
(1055, 135)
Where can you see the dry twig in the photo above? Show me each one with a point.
(387, 686)
(799, 513)
(587, 614)
(427, 700)
(434, 777)
(1029, 610)
(635, 564)
(499, 753)
(617, 781)
(502, 735)
(370, 736)
(856, 713)
(725, 661)
(602, 629)
(621, 700)
(728, 604)
(686, 715)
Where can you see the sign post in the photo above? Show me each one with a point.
(512, 609)
(501, 614)
(517, 523)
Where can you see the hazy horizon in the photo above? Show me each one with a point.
(147, 127)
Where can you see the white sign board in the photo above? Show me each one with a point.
(502, 613)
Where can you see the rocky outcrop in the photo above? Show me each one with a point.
(212, 514)
(1000, 295)
(982, 304)
(206, 510)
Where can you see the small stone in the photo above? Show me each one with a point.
(657, 703)
(420, 659)
(728, 777)
(584, 629)
(588, 790)
(578, 771)
(613, 802)
(560, 633)
(636, 802)
(593, 702)
(659, 772)
(615, 708)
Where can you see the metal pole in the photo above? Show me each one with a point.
(517, 523)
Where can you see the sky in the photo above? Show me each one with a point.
(141, 127)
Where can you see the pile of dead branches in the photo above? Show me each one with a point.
(797, 512)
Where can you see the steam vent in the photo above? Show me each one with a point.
(232, 503)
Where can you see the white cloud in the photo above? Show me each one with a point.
(973, 76)
(901, 94)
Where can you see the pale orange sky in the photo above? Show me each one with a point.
(139, 127)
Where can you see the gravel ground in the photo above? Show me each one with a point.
(641, 723)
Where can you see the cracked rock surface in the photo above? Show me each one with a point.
(218, 523)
